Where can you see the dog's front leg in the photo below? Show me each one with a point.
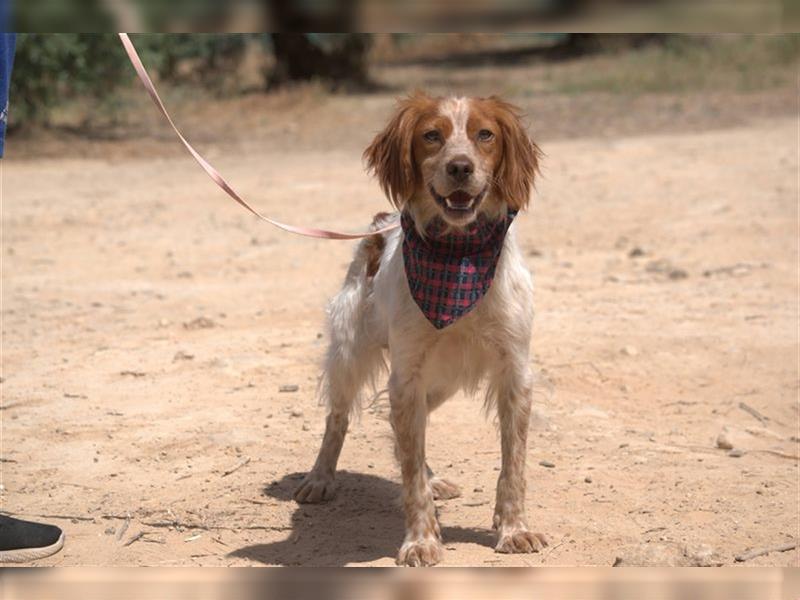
(409, 413)
(514, 408)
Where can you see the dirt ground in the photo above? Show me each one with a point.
(149, 324)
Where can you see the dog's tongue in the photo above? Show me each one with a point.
(460, 198)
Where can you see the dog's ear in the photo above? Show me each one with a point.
(519, 164)
(390, 155)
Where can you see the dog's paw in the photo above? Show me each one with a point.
(443, 489)
(422, 552)
(519, 541)
(314, 488)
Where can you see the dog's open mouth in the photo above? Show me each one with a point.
(459, 203)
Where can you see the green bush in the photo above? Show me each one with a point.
(52, 69)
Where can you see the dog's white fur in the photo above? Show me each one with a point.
(375, 311)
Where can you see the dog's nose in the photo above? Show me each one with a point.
(460, 168)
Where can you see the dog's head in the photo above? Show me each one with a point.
(454, 157)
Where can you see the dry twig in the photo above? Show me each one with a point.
(237, 467)
(762, 551)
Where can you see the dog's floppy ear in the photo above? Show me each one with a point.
(519, 163)
(390, 157)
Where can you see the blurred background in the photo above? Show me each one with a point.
(394, 15)
(72, 87)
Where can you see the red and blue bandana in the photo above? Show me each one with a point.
(449, 272)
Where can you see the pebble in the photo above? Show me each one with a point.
(588, 479)
(736, 453)
(676, 274)
(724, 441)
(296, 412)
(306, 427)
(702, 555)
(289, 387)
(630, 351)
(636, 252)
(199, 323)
(651, 555)
(547, 463)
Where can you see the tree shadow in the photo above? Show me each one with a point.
(570, 47)
(498, 57)
(363, 523)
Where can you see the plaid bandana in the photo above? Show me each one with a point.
(448, 273)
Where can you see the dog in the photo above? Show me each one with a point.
(457, 170)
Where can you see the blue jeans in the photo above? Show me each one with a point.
(7, 45)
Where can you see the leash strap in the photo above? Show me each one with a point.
(215, 175)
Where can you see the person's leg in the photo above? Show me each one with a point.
(20, 541)
(7, 45)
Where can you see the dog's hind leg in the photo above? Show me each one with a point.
(353, 360)
(443, 489)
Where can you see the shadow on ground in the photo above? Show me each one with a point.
(363, 523)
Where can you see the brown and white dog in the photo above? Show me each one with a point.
(457, 159)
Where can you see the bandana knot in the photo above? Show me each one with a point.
(448, 272)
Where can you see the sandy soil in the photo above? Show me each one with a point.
(149, 324)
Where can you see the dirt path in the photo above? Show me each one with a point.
(148, 325)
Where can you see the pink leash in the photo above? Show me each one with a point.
(214, 174)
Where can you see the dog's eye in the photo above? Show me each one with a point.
(432, 136)
(484, 135)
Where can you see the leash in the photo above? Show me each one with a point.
(215, 175)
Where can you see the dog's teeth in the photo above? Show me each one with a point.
(449, 204)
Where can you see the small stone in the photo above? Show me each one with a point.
(736, 453)
(478, 490)
(306, 427)
(676, 274)
(724, 441)
(547, 463)
(296, 412)
(702, 555)
(588, 479)
(181, 355)
(635, 252)
(630, 351)
(651, 555)
(289, 387)
(199, 323)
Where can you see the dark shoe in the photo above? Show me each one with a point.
(21, 541)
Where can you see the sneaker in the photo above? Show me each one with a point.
(21, 541)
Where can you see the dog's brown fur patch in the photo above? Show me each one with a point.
(373, 246)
